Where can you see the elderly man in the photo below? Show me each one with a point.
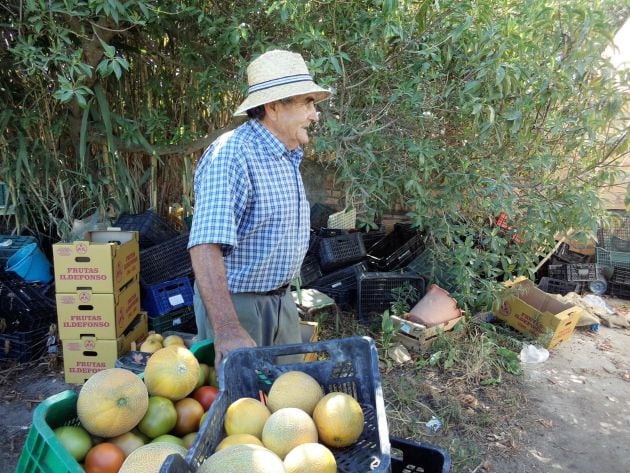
(250, 228)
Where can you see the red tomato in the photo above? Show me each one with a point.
(104, 458)
(206, 396)
(189, 412)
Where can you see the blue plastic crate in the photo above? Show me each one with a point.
(348, 365)
(162, 298)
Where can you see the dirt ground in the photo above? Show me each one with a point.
(575, 415)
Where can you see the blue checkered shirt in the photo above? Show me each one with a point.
(250, 199)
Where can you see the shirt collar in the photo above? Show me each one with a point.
(277, 148)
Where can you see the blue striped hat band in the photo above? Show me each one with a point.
(278, 82)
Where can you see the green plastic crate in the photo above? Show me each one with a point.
(42, 452)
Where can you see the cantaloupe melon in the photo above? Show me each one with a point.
(150, 457)
(243, 458)
(246, 416)
(310, 458)
(294, 389)
(339, 419)
(286, 429)
(171, 372)
(112, 402)
(238, 439)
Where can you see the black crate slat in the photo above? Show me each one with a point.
(341, 250)
(375, 291)
(558, 286)
(565, 254)
(310, 270)
(166, 261)
(399, 257)
(341, 285)
(151, 228)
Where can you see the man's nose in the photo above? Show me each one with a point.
(314, 115)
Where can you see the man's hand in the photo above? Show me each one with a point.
(229, 337)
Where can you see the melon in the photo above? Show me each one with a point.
(243, 458)
(112, 402)
(286, 429)
(238, 439)
(246, 416)
(150, 457)
(339, 420)
(310, 458)
(294, 389)
(172, 372)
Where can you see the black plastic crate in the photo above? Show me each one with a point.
(339, 251)
(375, 291)
(151, 228)
(418, 457)
(371, 238)
(166, 261)
(325, 232)
(310, 270)
(558, 271)
(621, 276)
(9, 244)
(341, 285)
(320, 214)
(398, 258)
(182, 320)
(583, 272)
(558, 286)
(565, 254)
(25, 307)
(348, 365)
(313, 243)
(24, 346)
(168, 296)
(619, 290)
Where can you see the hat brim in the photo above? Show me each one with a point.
(282, 92)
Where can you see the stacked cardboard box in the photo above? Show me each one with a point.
(98, 301)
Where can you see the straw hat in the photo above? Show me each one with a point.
(278, 75)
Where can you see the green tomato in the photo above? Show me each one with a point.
(75, 439)
(169, 438)
(212, 378)
(160, 418)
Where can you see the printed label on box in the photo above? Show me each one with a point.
(176, 300)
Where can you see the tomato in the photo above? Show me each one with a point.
(203, 417)
(206, 396)
(189, 412)
(212, 378)
(104, 458)
(169, 439)
(204, 374)
(160, 418)
(129, 441)
(75, 439)
(189, 439)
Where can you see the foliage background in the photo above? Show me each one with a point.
(457, 111)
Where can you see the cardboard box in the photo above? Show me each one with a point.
(534, 312)
(417, 337)
(104, 316)
(103, 263)
(88, 355)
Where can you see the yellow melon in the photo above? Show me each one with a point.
(243, 458)
(286, 429)
(150, 457)
(171, 372)
(310, 458)
(238, 439)
(246, 416)
(171, 340)
(112, 402)
(294, 389)
(339, 420)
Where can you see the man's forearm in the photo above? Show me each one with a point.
(207, 262)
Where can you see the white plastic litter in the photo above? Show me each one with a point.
(598, 303)
(534, 354)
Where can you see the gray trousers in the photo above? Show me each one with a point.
(269, 320)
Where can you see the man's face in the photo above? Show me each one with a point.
(289, 122)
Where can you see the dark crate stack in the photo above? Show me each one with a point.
(166, 274)
(26, 313)
(338, 261)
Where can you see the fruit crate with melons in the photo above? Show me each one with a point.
(344, 367)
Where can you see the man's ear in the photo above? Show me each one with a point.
(271, 110)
